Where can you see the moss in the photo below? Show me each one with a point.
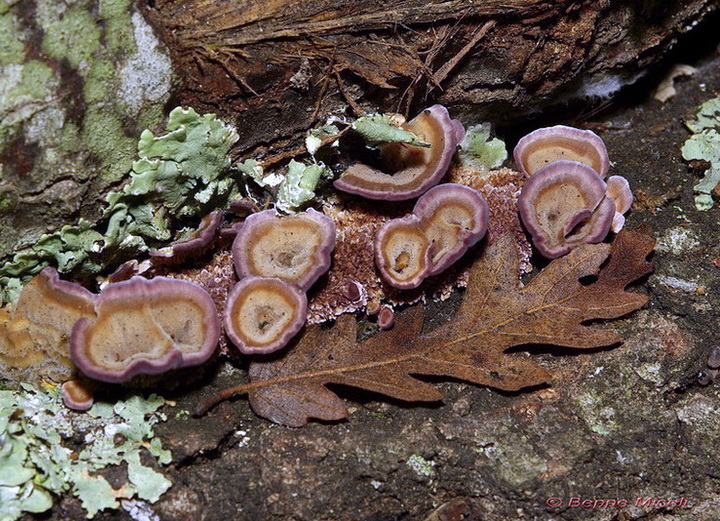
(75, 36)
(12, 49)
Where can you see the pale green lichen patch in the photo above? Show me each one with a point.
(75, 36)
(78, 101)
(12, 49)
(481, 152)
(677, 240)
(704, 145)
(421, 466)
(379, 129)
(182, 173)
(36, 463)
(300, 184)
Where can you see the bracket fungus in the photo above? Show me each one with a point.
(194, 245)
(545, 145)
(294, 248)
(145, 327)
(263, 314)
(446, 221)
(37, 331)
(403, 253)
(416, 169)
(77, 395)
(618, 189)
(564, 205)
(454, 217)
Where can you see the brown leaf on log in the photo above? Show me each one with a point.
(497, 313)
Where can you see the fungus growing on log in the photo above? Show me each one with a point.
(618, 189)
(564, 205)
(194, 245)
(403, 253)
(263, 314)
(77, 395)
(145, 327)
(295, 248)
(412, 169)
(453, 217)
(545, 145)
(386, 318)
(37, 332)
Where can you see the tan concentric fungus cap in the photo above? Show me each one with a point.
(545, 145)
(263, 314)
(416, 169)
(145, 327)
(618, 189)
(403, 253)
(453, 217)
(563, 205)
(295, 248)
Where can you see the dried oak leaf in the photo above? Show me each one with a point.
(496, 314)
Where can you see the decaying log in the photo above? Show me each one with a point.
(278, 67)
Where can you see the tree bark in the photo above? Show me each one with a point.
(278, 67)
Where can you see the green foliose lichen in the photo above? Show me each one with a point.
(35, 463)
(479, 151)
(184, 173)
(379, 129)
(704, 145)
(299, 185)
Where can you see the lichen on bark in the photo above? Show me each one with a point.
(79, 81)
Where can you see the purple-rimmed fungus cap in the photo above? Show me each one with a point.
(403, 253)
(194, 245)
(263, 314)
(77, 395)
(416, 169)
(563, 205)
(618, 189)
(145, 327)
(52, 306)
(453, 217)
(386, 318)
(545, 145)
(295, 248)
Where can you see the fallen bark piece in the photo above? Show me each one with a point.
(497, 313)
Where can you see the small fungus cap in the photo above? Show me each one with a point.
(618, 190)
(295, 248)
(454, 217)
(418, 168)
(77, 395)
(263, 314)
(563, 205)
(403, 253)
(145, 327)
(545, 145)
(194, 245)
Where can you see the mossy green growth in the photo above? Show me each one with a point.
(704, 145)
(12, 49)
(479, 151)
(183, 174)
(35, 463)
(74, 36)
